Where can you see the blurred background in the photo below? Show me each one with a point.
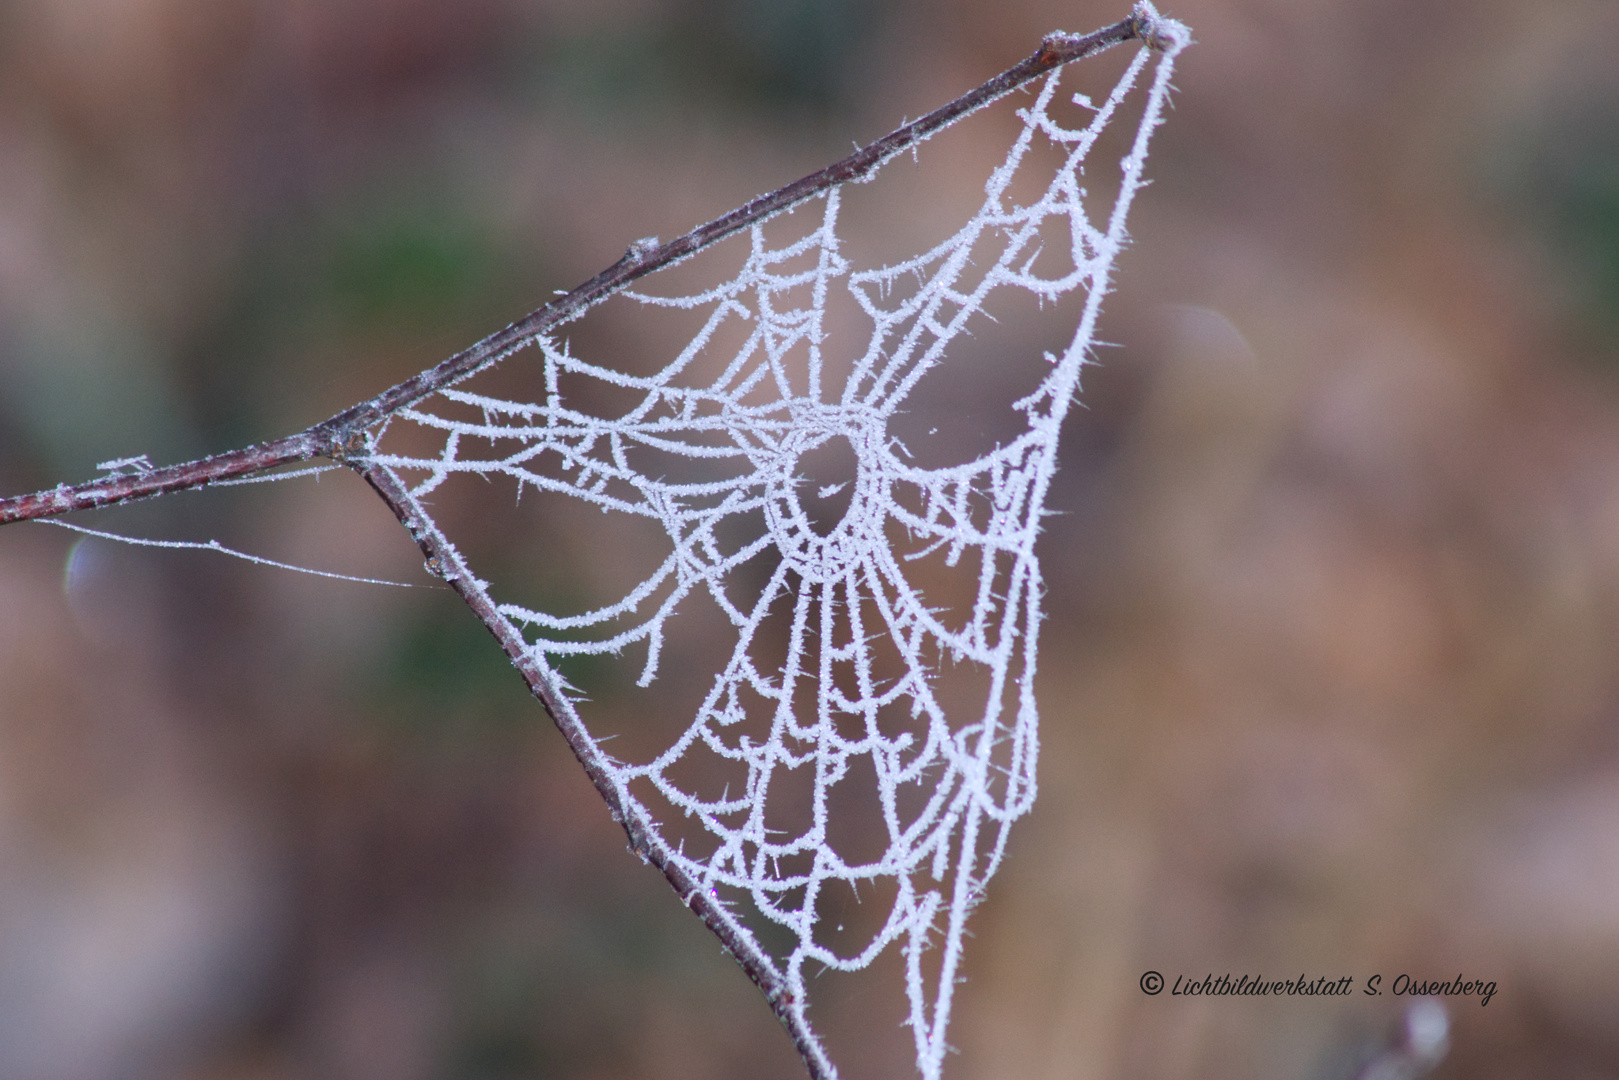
(1328, 682)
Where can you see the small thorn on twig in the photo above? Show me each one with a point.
(1154, 31)
(641, 250)
(126, 466)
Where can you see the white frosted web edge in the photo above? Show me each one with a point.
(948, 790)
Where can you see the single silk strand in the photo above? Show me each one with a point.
(215, 545)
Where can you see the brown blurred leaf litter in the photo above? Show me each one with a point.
(1334, 609)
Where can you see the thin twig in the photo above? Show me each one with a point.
(341, 436)
(446, 561)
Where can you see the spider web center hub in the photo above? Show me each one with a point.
(799, 504)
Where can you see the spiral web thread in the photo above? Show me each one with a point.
(948, 788)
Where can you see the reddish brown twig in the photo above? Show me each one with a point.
(644, 838)
(340, 436)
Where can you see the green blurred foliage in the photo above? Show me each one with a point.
(442, 678)
(1561, 178)
(778, 58)
(402, 268)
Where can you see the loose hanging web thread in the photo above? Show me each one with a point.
(949, 786)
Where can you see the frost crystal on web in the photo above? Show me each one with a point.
(836, 655)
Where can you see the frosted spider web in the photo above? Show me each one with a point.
(848, 682)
